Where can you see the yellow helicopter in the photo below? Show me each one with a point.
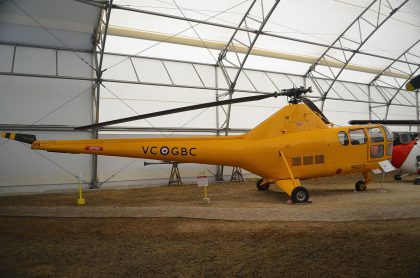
(296, 143)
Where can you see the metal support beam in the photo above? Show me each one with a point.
(345, 38)
(240, 48)
(236, 61)
(239, 62)
(99, 50)
(417, 108)
(175, 177)
(236, 175)
(250, 30)
(397, 84)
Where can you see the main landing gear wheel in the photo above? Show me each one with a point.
(300, 195)
(262, 186)
(397, 177)
(360, 186)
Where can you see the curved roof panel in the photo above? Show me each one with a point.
(51, 23)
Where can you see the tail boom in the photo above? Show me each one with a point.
(189, 150)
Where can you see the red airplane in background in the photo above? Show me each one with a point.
(406, 156)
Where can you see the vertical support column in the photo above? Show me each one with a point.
(370, 103)
(99, 48)
(387, 110)
(417, 108)
(239, 61)
(220, 168)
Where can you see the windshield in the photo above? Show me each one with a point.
(389, 135)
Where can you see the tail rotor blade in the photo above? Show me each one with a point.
(24, 138)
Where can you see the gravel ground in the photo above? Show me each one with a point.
(183, 247)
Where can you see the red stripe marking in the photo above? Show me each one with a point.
(400, 153)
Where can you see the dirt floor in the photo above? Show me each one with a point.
(185, 247)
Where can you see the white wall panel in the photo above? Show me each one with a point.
(69, 23)
(24, 169)
(207, 75)
(71, 64)
(6, 58)
(43, 101)
(146, 99)
(118, 67)
(183, 74)
(26, 100)
(340, 112)
(402, 113)
(151, 71)
(35, 60)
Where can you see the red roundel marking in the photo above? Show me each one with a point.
(93, 148)
(164, 150)
(400, 153)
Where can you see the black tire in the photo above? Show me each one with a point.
(300, 195)
(262, 186)
(360, 186)
(397, 177)
(417, 181)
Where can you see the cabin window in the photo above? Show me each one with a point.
(377, 151)
(296, 161)
(357, 137)
(389, 149)
(389, 135)
(319, 159)
(375, 135)
(308, 160)
(343, 138)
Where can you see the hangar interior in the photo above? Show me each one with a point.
(66, 63)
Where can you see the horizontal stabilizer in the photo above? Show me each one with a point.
(25, 138)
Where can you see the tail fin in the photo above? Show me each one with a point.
(25, 138)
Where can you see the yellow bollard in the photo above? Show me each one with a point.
(205, 192)
(81, 201)
(203, 181)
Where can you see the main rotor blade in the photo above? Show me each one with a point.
(178, 110)
(385, 122)
(315, 108)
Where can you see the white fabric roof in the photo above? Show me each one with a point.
(316, 21)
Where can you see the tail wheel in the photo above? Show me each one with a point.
(262, 186)
(397, 177)
(360, 186)
(300, 195)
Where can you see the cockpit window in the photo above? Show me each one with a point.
(343, 138)
(389, 135)
(375, 135)
(357, 137)
(376, 151)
